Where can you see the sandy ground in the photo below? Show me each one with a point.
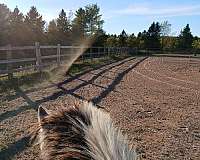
(156, 102)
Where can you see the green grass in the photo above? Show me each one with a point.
(19, 80)
(78, 67)
(81, 66)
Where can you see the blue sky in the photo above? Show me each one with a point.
(131, 15)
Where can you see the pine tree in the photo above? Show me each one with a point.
(141, 39)
(186, 38)
(4, 24)
(94, 23)
(101, 38)
(52, 33)
(64, 28)
(62, 22)
(79, 22)
(34, 26)
(122, 39)
(87, 23)
(112, 41)
(152, 40)
(17, 36)
(132, 41)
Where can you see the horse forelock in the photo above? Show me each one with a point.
(60, 134)
(82, 132)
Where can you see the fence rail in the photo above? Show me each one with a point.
(14, 59)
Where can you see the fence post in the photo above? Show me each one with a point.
(82, 53)
(136, 51)
(104, 52)
(98, 52)
(38, 56)
(118, 50)
(58, 54)
(91, 56)
(195, 52)
(9, 65)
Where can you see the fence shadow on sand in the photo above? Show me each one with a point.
(20, 145)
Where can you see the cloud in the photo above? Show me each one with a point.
(167, 11)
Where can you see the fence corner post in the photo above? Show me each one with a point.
(82, 53)
(38, 56)
(104, 52)
(58, 55)
(9, 65)
(91, 56)
(136, 50)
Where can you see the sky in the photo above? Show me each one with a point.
(131, 15)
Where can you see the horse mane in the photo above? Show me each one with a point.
(81, 132)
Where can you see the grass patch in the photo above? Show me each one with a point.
(33, 78)
(78, 67)
(22, 80)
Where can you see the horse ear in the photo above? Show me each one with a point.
(42, 113)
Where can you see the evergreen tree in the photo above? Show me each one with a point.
(62, 22)
(64, 28)
(87, 23)
(132, 41)
(79, 23)
(141, 39)
(94, 23)
(34, 26)
(186, 38)
(17, 28)
(153, 36)
(112, 41)
(101, 38)
(52, 33)
(123, 39)
(4, 24)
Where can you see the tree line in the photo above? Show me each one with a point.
(19, 29)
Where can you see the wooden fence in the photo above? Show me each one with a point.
(14, 59)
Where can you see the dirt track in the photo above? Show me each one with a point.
(157, 103)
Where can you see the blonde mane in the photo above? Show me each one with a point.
(83, 132)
